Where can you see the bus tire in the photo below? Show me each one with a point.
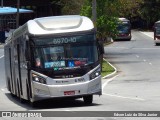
(88, 99)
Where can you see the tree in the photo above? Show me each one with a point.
(150, 12)
(69, 7)
(106, 17)
(129, 8)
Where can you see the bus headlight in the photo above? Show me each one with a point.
(38, 78)
(95, 73)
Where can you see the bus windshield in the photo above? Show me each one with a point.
(65, 56)
(123, 28)
(158, 29)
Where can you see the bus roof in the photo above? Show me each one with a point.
(59, 24)
(11, 10)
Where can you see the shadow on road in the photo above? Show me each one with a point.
(50, 103)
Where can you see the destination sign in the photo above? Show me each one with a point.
(65, 40)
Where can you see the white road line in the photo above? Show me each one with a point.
(149, 35)
(132, 98)
(150, 63)
(2, 56)
(137, 56)
(109, 80)
(104, 84)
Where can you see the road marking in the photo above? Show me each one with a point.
(2, 56)
(149, 35)
(137, 56)
(150, 63)
(109, 80)
(132, 98)
(144, 60)
(104, 84)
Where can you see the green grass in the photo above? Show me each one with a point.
(106, 69)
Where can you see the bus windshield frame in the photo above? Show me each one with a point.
(67, 52)
(124, 28)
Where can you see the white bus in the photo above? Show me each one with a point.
(124, 29)
(157, 32)
(53, 57)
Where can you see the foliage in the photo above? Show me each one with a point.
(106, 17)
(129, 8)
(69, 7)
(106, 69)
(150, 11)
(86, 9)
(109, 10)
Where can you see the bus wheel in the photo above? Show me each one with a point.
(88, 99)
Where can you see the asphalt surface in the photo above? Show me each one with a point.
(134, 88)
(138, 67)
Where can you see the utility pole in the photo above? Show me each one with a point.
(17, 16)
(94, 12)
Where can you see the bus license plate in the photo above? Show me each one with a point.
(69, 92)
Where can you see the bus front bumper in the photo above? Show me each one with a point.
(43, 91)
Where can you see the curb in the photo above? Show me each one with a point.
(112, 74)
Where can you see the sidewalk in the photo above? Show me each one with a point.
(149, 34)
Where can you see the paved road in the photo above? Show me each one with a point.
(135, 88)
(138, 65)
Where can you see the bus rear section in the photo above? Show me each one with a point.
(58, 58)
(124, 29)
(157, 32)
